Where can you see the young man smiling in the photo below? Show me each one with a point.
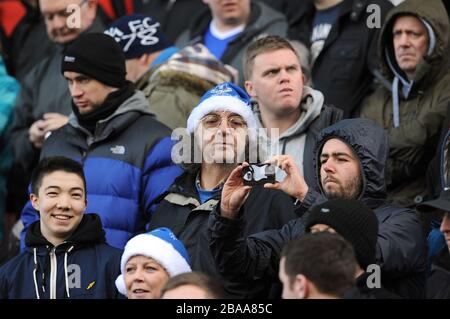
(66, 255)
(125, 151)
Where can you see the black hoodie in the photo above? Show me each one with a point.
(83, 266)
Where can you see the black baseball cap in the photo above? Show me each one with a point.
(442, 203)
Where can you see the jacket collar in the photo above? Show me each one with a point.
(88, 232)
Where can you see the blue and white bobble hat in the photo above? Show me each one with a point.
(223, 97)
(160, 244)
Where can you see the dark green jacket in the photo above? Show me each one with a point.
(421, 112)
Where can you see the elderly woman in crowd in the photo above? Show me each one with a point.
(147, 263)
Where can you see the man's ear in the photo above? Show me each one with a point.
(206, 2)
(34, 199)
(301, 287)
(249, 88)
(304, 78)
(92, 8)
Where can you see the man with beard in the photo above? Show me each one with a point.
(349, 164)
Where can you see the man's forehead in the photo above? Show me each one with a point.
(335, 145)
(56, 5)
(223, 113)
(62, 179)
(265, 58)
(409, 21)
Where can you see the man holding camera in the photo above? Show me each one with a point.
(219, 130)
(350, 161)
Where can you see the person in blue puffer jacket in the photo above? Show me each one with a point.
(66, 255)
(124, 150)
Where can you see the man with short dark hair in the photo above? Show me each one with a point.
(66, 255)
(192, 285)
(317, 266)
(125, 151)
(297, 113)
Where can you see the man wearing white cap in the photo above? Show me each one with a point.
(219, 128)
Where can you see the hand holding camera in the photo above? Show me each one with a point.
(234, 193)
(238, 185)
(258, 174)
(293, 184)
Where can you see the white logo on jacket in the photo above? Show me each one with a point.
(118, 149)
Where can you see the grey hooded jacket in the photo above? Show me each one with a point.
(299, 140)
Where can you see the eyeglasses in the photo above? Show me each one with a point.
(64, 13)
(211, 121)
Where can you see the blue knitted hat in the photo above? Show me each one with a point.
(160, 244)
(223, 97)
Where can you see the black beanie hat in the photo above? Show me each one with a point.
(98, 56)
(352, 220)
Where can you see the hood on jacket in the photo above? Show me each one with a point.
(370, 144)
(434, 17)
(432, 14)
(311, 104)
(88, 232)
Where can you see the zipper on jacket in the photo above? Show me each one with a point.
(53, 273)
(84, 154)
(83, 157)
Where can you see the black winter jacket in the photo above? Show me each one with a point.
(83, 266)
(344, 70)
(438, 283)
(181, 211)
(401, 249)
